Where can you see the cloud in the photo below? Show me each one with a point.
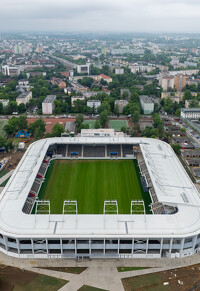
(104, 15)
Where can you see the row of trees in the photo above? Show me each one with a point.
(37, 128)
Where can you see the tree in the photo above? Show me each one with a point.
(21, 108)
(37, 128)
(104, 106)
(103, 117)
(176, 148)
(79, 119)
(135, 116)
(86, 81)
(11, 127)
(187, 95)
(11, 107)
(125, 129)
(116, 110)
(1, 107)
(57, 130)
(44, 91)
(2, 141)
(22, 122)
(97, 124)
(38, 133)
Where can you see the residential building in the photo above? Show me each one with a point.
(166, 83)
(93, 103)
(83, 69)
(78, 87)
(190, 113)
(75, 98)
(23, 82)
(146, 104)
(48, 104)
(106, 78)
(121, 104)
(94, 93)
(10, 71)
(179, 82)
(175, 96)
(119, 71)
(24, 98)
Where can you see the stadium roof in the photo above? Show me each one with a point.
(171, 183)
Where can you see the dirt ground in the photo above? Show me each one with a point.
(179, 279)
(13, 276)
(14, 159)
(21, 280)
(51, 121)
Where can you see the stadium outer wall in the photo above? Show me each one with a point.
(112, 245)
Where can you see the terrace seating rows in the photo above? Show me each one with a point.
(94, 151)
(127, 150)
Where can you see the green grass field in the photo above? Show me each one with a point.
(117, 124)
(90, 182)
(90, 122)
(2, 124)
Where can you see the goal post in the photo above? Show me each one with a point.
(70, 207)
(137, 207)
(110, 207)
(42, 207)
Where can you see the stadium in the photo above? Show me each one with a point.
(99, 195)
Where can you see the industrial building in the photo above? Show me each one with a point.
(146, 104)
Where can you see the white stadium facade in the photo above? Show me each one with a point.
(172, 230)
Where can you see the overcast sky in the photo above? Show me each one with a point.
(100, 15)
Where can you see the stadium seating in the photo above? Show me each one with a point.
(74, 148)
(61, 150)
(94, 151)
(114, 149)
(127, 150)
(35, 187)
(42, 170)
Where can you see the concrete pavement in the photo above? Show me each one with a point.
(100, 273)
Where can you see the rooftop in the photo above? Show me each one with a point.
(146, 99)
(170, 180)
(49, 99)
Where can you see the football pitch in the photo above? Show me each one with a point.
(90, 182)
(117, 124)
(91, 123)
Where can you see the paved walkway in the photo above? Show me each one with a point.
(99, 273)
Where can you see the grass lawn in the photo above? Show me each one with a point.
(126, 269)
(3, 173)
(2, 124)
(72, 270)
(42, 282)
(117, 124)
(90, 182)
(90, 122)
(5, 182)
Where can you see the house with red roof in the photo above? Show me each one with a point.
(105, 78)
